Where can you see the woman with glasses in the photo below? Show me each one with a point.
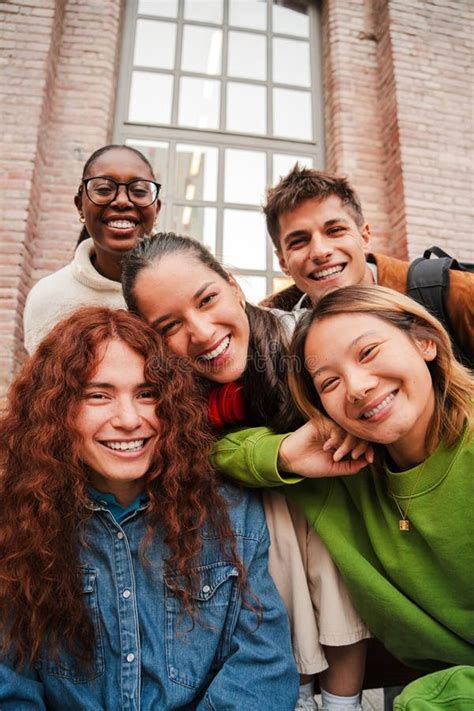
(117, 201)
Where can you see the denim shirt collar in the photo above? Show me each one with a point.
(119, 512)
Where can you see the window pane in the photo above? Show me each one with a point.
(275, 263)
(248, 13)
(244, 239)
(292, 114)
(150, 98)
(154, 44)
(201, 50)
(165, 8)
(196, 172)
(254, 287)
(199, 102)
(280, 283)
(247, 55)
(157, 154)
(283, 163)
(291, 63)
(203, 10)
(290, 22)
(246, 108)
(244, 176)
(197, 222)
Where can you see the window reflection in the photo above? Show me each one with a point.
(246, 108)
(291, 62)
(202, 48)
(197, 222)
(248, 13)
(199, 102)
(196, 172)
(244, 239)
(247, 55)
(165, 8)
(150, 98)
(280, 283)
(244, 180)
(155, 44)
(254, 287)
(203, 10)
(292, 20)
(292, 114)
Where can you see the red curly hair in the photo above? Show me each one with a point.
(43, 487)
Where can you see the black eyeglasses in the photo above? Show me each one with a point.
(103, 191)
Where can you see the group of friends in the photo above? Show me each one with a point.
(136, 572)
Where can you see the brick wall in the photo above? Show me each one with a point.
(399, 121)
(59, 64)
(398, 109)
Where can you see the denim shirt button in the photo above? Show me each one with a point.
(173, 672)
(120, 535)
(206, 589)
(126, 594)
(130, 657)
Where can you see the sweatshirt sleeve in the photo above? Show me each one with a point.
(250, 455)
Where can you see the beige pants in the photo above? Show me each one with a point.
(315, 596)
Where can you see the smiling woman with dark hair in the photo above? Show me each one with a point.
(129, 578)
(117, 201)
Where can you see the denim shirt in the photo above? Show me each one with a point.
(148, 655)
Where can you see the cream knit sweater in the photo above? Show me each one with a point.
(59, 294)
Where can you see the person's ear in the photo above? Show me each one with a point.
(365, 234)
(238, 290)
(78, 204)
(427, 348)
(282, 263)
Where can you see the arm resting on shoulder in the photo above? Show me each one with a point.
(250, 455)
(257, 457)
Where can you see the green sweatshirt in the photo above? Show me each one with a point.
(414, 589)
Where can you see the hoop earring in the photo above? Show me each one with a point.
(82, 219)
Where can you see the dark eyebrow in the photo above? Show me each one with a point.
(334, 221)
(351, 345)
(165, 317)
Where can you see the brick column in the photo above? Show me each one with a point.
(29, 51)
(60, 68)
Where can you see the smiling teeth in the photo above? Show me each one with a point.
(121, 224)
(134, 445)
(223, 346)
(328, 272)
(383, 404)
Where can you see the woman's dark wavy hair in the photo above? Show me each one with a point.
(83, 235)
(43, 483)
(266, 393)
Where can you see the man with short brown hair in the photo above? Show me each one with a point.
(321, 239)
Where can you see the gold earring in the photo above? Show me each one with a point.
(82, 219)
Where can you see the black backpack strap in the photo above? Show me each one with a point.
(428, 283)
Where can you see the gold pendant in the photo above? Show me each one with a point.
(404, 524)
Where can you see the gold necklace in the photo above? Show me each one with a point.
(404, 523)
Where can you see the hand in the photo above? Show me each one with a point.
(316, 450)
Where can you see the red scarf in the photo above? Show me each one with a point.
(226, 404)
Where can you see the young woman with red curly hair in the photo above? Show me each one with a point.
(129, 578)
